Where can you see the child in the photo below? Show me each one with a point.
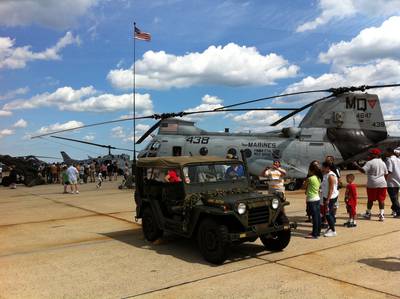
(65, 178)
(351, 201)
(99, 179)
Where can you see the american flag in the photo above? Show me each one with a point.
(142, 35)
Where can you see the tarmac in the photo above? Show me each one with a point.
(87, 245)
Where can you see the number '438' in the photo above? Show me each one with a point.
(197, 140)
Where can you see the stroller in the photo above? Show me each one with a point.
(127, 183)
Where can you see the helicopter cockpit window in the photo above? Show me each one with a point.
(155, 146)
(232, 152)
(213, 173)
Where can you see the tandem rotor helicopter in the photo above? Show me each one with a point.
(344, 124)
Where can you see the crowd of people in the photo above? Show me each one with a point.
(324, 181)
(74, 174)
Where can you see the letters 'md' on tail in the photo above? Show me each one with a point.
(349, 111)
(354, 122)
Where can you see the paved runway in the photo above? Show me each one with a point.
(55, 245)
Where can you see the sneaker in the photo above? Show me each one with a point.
(330, 233)
(77, 192)
(346, 223)
(381, 217)
(394, 214)
(366, 215)
(352, 225)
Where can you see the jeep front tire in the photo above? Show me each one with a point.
(277, 241)
(213, 241)
(150, 228)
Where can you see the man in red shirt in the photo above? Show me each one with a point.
(172, 176)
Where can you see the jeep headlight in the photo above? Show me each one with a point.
(241, 208)
(275, 203)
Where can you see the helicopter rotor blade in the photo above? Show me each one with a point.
(92, 143)
(93, 125)
(148, 132)
(181, 114)
(300, 110)
(274, 97)
(334, 92)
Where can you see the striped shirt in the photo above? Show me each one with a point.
(276, 181)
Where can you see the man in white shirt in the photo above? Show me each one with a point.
(376, 172)
(73, 175)
(393, 180)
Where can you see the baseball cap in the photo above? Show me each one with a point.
(375, 151)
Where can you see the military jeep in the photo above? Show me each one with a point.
(209, 198)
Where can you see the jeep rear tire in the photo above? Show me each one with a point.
(150, 227)
(277, 241)
(213, 241)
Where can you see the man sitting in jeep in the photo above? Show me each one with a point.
(172, 176)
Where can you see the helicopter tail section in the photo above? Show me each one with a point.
(354, 122)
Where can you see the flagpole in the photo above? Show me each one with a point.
(134, 101)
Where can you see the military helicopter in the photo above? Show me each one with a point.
(344, 124)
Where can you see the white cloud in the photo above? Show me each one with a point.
(85, 99)
(118, 132)
(5, 113)
(369, 45)
(57, 126)
(6, 132)
(20, 123)
(231, 65)
(260, 121)
(207, 103)
(336, 10)
(49, 13)
(111, 102)
(12, 57)
(384, 71)
(330, 9)
(12, 93)
(89, 137)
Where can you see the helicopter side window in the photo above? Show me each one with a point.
(177, 151)
(203, 151)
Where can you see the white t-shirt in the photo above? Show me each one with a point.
(325, 185)
(393, 167)
(276, 180)
(72, 173)
(376, 170)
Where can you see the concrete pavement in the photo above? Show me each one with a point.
(55, 245)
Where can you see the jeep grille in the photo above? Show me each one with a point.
(258, 215)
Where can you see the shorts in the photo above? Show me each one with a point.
(351, 208)
(73, 182)
(378, 194)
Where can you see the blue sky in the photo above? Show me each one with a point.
(66, 63)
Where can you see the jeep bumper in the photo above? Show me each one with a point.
(260, 230)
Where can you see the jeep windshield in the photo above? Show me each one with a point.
(194, 174)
